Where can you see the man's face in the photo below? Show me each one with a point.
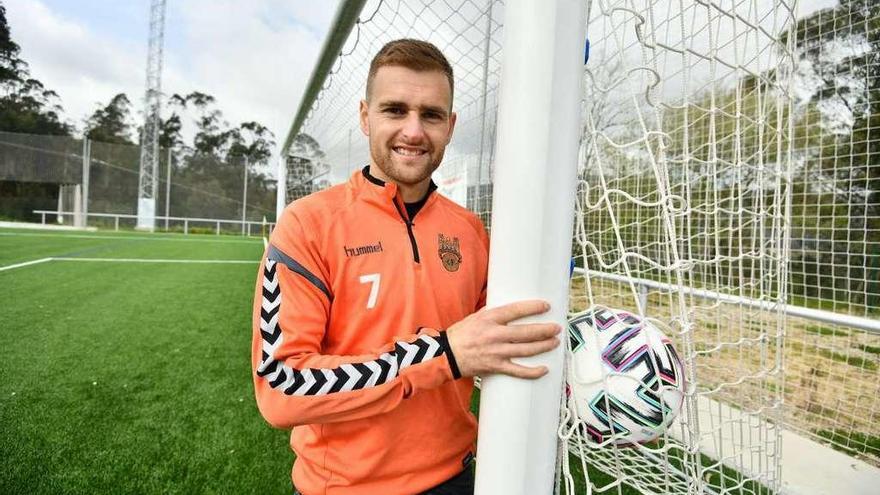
(408, 122)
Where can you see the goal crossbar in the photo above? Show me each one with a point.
(346, 17)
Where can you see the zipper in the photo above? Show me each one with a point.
(409, 230)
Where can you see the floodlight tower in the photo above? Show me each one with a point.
(148, 183)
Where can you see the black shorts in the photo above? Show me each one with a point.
(460, 484)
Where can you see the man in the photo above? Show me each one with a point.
(357, 286)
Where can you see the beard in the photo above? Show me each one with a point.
(402, 169)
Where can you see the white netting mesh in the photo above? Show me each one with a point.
(681, 205)
(699, 152)
(833, 384)
(469, 34)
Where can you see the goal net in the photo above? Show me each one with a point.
(681, 218)
(683, 207)
(329, 146)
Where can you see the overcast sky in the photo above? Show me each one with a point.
(254, 56)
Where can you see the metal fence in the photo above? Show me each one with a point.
(121, 221)
(36, 172)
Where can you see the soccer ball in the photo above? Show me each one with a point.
(624, 376)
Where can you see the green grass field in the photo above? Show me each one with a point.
(126, 377)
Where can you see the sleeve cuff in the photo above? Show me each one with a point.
(453, 365)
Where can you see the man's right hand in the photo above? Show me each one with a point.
(485, 342)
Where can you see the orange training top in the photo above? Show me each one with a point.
(347, 346)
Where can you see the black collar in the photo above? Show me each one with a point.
(379, 182)
(369, 177)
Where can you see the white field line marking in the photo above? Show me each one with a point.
(129, 238)
(26, 263)
(159, 260)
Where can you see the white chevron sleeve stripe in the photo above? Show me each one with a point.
(331, 380)
(411, 351)
(392, 362)
(310, 380)
(353, 377)
(376, 371)
(402, 357)
(290, 378)
(433, 347)
(273, 375)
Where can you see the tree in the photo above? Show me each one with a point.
(26, 105)
(10, 65)
(840, 62)
(253, 140)
(304, 165)
(211, 166)
(836, 221)
(111, 123)
(307, 147)
(212, 134)
(170, 135)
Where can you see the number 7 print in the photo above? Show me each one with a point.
(373, 278)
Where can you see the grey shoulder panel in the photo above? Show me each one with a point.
(277, 255)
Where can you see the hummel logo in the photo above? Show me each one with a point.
(368, 249)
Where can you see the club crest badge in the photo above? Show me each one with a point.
(450, 252)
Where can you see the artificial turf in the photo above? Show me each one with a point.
(121, 377)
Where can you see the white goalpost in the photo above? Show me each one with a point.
(655, 145)
(532, 218)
